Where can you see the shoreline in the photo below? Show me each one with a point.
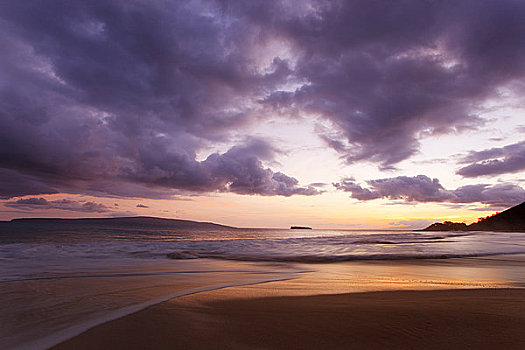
(239, 318)
(300, 281)
(72, 332)
(460, 303)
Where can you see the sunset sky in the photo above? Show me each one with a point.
(332, 114)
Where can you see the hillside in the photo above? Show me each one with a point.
(136, 222)
(447, 226)
(79, 230)
(512, 219)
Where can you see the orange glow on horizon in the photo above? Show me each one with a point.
(329, 211)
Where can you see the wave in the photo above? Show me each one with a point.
(376, 241)
(126, 274)
(186, 254)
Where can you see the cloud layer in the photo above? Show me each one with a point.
(494, 161)
(61, 204)
(421, 188)
(384, 73)
(118, 98)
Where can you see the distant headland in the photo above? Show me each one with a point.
(512, 219)
(300, 228)
(134, 221)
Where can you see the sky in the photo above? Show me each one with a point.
(333, 114)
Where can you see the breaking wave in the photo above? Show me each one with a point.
(399, 246)
(186, 254)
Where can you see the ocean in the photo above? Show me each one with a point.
(58, 280)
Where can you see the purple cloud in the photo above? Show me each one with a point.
(14, 183)
(494, 161)
(497, 196)
(118, 98)
(421, 188)
(239, 170)
(387, 72)
(358, 192)
(61, 204)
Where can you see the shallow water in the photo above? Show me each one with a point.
(250, 245)
(57, 282)
(59, 302)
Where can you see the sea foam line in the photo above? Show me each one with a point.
(128, 274)
(73, 331)
(326, 258)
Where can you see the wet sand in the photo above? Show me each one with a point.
(235, 318)
(467, 303)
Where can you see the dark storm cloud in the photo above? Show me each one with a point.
(494, 161)
(61, 204)
(421, 188)
(386, 73)
(118, 97)
(14, 183)
(239, 170)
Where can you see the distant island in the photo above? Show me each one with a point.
(77, 230)
(512, 219)
(134, 221)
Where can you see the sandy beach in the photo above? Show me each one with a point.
(297, 314)
(445, 319)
